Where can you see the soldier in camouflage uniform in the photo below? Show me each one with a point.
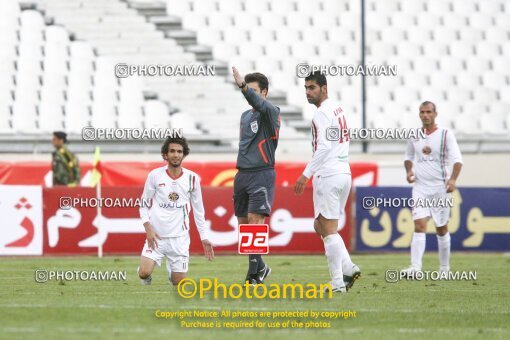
(65, 166)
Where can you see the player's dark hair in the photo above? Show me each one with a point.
(319, 78)
(61, 135)
(429, 103)
(175, 140)
(259, 78)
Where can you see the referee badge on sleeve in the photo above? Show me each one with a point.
(254, 126)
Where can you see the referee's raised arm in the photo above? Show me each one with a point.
(255, 98)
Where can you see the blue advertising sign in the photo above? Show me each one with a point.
(479, 219)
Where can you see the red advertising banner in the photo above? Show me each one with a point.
(78, 229)
(135, 173)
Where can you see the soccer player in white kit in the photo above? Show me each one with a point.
(173, 191)
(331, 179)
(425, 164)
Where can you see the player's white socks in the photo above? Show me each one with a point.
(333, 250)
(346, 258)
(417, 249)
(443, 245)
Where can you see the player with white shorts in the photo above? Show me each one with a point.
(331, 179)
(174, 191)
(426, 163)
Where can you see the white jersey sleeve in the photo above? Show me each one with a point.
(452, 148)
(149, 191)
(197, 204)
(321, 144)
(409, 156)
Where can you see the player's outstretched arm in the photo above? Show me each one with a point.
(199, 212)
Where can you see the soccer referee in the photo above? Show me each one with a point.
(254, 182)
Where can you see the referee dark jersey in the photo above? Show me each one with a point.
(254, 183)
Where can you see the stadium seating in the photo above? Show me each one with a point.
(61, 75)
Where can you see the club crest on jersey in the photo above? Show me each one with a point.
(254, 127)
(173, 196)
(426, 150)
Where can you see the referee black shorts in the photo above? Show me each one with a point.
(254, 192)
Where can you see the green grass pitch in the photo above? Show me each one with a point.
(125, 309)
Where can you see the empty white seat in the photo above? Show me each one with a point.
(408, 49)
(303, 50)
(82, 50)
(130, 116)
(404, 94)
(473, 108)
(255, 7)
(208, 36)
(382, 49)
(51, 116)
(334, 6)
(455, 20)
(425, 65)
(32, 18)
(480, 20)
(493, 124)
(500, 64)
(494, 80)
(287, 35)
(224, 51)
(235, 35)
(204, 7)
(419, 34)
(271, 20)
(487, 49)
(477, 65)
(489, 7)
(174, 7)
(468, 80)
(426, 19)
(500, 108)
(458, 95)
(185, 122)
(482, 94)
(250, 50)
(76, 116)
(496, 34)
(435, 49)
(451, 65)
(103, 115)
(431, 94)
(247, 20)
(56, 35)
(156, 114)
(262, 35)
(438, 7)
(283, 6)
(416, 80)
(392, 34)
(229, 7)
(461, 49)
(403, 20)
(194, 20)
(326, 21)
(313, 34)
(467, 125)
(267, 64)
(278, 50)
(471, 34)
(376, 20)
(412, 7)
(441, 80)
(305, 6)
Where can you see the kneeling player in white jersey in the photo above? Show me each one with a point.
(428, 158)
(172, 190)
(331, 179)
